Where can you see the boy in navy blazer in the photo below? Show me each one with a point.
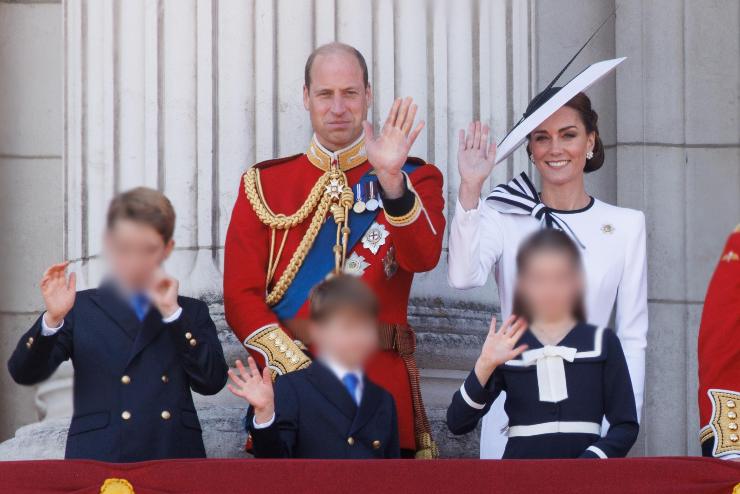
(137, 347)
(330, 409)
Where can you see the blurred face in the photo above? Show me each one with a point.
(550, 286)
(559, 146)
(347, 337)
(134, 252)
(337, 99)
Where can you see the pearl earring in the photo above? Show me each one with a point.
(589, 155)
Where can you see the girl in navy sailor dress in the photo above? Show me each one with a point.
(561, 376)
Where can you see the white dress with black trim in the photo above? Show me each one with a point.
(613, 250)
(557, 397)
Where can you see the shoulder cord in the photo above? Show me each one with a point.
(319, 200)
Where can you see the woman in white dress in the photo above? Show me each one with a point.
(485, 234)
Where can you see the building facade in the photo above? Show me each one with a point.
(97, 96)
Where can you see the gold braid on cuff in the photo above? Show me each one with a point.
(281, 353)
(407, 218)
(724, 421)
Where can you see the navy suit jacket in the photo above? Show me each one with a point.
(132, 379)
(317, 418)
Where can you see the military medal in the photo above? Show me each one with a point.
(372, 203)
(359, 206)
(333, 188)
(390, 266)
(355, 265)
(375, 237)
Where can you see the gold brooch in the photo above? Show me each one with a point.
(731, 256)
(116, 486)
(607, 228)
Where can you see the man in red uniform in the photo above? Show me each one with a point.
(354, 202)
(719, 357)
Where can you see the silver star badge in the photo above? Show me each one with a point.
(355, 265)
(375, 237)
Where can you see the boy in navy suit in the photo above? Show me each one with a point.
(330, 409)
(137, 347)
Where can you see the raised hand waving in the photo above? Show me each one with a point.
(388, 150)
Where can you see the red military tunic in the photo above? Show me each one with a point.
(719, 357)
(413, 245)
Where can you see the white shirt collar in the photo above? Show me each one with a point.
(339, 370)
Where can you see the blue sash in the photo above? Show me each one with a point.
(319, 261)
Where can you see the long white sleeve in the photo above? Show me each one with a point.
(475, 245)
(632, 308)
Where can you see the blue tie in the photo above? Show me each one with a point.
(140, 303)
(350, 382)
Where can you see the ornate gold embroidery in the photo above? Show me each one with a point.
(725, 405)
(282, 354)
(347, 158)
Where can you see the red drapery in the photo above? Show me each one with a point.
(643, 475)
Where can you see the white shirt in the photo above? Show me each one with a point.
(338, 370)
(614, 260)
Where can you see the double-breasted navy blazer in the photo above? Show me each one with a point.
(316, 417)
(132, 379)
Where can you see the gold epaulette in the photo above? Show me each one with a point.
(724, 421)
(281, 353)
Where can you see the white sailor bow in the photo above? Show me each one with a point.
(550, 370)
(519, 196)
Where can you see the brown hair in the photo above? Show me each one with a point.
(144, 205)
(342, 292)
(551, 241)
(331, 48)
(582, 105)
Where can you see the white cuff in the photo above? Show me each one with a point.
(265, 425)
(466, 213)
(469, 400)
(731, 456)
(597, 451)
(46, 330)
(174, 317)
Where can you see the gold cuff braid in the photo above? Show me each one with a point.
(281, 353)
(407, 218)
(724, 421)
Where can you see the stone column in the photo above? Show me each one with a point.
(184, 95)
(31, 181)
(679, 155)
